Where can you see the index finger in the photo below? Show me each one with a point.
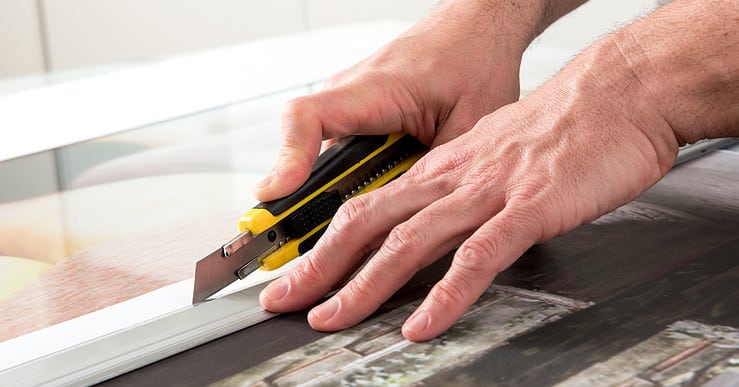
(332, 113)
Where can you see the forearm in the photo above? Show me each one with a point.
(686, 56)
(513, 22)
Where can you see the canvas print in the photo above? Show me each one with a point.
(645, 295)
(375, 353)
(686, 353)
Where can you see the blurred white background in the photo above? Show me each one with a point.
(47, 35)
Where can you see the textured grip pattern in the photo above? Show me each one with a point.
(312, 214)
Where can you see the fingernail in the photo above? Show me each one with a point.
(417, 323)
(327, 310)
(277, 289)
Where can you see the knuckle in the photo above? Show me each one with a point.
(438, 162)
(449, 294)
(297, 108)
(310, 271)
(360, 288)
(531, 189)
(475, 189)
(403, 238)
(438, 171)
(353, 212)
(476, 255)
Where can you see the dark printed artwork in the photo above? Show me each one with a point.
(375, 353)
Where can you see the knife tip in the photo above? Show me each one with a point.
(196, 299)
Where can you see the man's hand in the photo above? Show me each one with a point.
(434, 82)
(523, 174)
(594, 137)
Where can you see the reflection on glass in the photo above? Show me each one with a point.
(96, 223)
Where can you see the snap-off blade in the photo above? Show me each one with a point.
(221, 267)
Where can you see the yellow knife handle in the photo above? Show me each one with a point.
(333, 165)
(299, 246)
(352, 166)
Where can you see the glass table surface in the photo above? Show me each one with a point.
(92, 224)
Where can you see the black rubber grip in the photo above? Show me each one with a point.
(309, 216)
(331, 163)
(309, 242)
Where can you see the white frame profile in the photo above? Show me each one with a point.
(120, 351)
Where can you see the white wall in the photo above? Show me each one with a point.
(84, 32)
(21, 50)
(62, 34)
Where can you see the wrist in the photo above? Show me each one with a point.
(511, 24)
(684, 56)
(598, 92)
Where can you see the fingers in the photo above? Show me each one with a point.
(332, 113)
(409, 247)
(490, 250)
(340, 250)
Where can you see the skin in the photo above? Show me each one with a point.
(501, 175)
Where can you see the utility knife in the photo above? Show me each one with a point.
(275, 232)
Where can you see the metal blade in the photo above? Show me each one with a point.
(221, 267)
